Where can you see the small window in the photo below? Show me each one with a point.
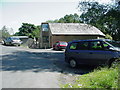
(45, 27)
(73, 46)
(105, 45)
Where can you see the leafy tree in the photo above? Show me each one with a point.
(52, 21)
(75, 18)
(112, 21)
(4, 33)
(28, 30)
(36, 32)
(104, 17)
(70, 19)
(92, 11)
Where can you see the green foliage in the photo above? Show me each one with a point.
(4, 33)
(108, 36)
(70, 19)
(52, 21)
(36, 32)
(92, 11)
(28, 30)
(103, 78)
(104, 17)
(67, 19)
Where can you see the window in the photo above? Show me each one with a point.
(73, 46)
(44, 27)
(96, 45)
(83, 46)
(114, 43)
(63, 43)
(106, 46)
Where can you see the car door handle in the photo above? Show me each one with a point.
(91, 53)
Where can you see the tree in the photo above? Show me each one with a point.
(52, 21)
(104, 17)
(70, 19)
(75, 18)
(28, 30)
(113, 22)
(4, 32)
(92, 11)
(36, 32)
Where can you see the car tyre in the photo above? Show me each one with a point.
(73, 63)
(53, 48)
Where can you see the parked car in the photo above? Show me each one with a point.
(12, 41)
(92, 52)
(59, 45)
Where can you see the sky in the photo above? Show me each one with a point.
(15, 12)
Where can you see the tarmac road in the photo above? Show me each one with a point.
(36, 68)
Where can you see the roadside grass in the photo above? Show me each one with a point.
(24, 45)
(103, 77)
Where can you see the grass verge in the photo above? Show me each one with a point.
(106, 78)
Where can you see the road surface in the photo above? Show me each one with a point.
(35, 68)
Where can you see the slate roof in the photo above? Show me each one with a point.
(73, 29)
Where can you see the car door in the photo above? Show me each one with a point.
(79, 51)
(83, 52)
(97, 53)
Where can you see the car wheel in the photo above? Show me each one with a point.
(73, 63)
(53, 48)
(56, 48)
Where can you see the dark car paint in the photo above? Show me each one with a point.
(91, 57)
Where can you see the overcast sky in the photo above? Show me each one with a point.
(15, 12)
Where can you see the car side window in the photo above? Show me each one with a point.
(73, 46)
(106, 46)
(83, 45)
(96, 45)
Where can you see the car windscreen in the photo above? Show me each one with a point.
(114, 43)
(63, 43)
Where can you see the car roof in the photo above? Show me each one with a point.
(92, 40)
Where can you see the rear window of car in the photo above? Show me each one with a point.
(63, 43)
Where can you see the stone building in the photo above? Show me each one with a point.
(52, 32)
